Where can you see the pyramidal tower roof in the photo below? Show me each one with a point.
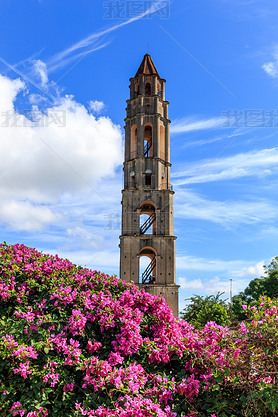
(147, 67)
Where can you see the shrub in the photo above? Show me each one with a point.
(78, 342)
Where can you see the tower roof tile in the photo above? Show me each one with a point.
(147, 67)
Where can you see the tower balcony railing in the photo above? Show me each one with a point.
(147, 277)
(148, 223)
(147, 149)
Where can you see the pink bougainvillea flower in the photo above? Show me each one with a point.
(98, 346)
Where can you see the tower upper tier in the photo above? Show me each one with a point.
(147, 135)
(147, 81)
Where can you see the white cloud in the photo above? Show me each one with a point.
(239, 271)
(201, 142)
(234, 269)
(27, 78)
(68, 151)
(83, 238)
(9, 90)
(100, 260)
(189, 205)
(41, 70)
(255, 271)
(195, 284)
(198, 264)
(96, 106)
(23, 215)
(253, 163)
(189, 124)
(56, 62)
(213, 286)
(217, 284)
(271, 68)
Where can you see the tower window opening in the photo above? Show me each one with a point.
(148, 148)
(148, 180)
(147, 267)
(147, 219)
(148, 89)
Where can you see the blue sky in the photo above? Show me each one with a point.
(64, 76)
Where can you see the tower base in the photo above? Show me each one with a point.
(169, 292)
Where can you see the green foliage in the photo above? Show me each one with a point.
(267, 285)
(264, 286)
(204, 309)
(238, 313)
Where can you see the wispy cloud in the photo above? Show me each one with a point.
(213, 286)
(28, 79)
(202, 142)
(41, 71)
(54, 65)
(240, 271)
(195, 284)
(271, 67)
(251, 271)
(94, 42)
(190, 124)
(254, 163)
(189, 205)
(96, 106)
(189, 262)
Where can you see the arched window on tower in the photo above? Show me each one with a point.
(147, 268)
(148, 89)
(147, 218)
(148, 141)
(133, 142)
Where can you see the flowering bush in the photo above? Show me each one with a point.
(76, 342)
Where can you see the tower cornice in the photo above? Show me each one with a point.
(157, 96)
(147, 237)
(167, 164)
(148, 115)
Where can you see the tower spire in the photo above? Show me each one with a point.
(147, 67)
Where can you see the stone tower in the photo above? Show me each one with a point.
(147, 197)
